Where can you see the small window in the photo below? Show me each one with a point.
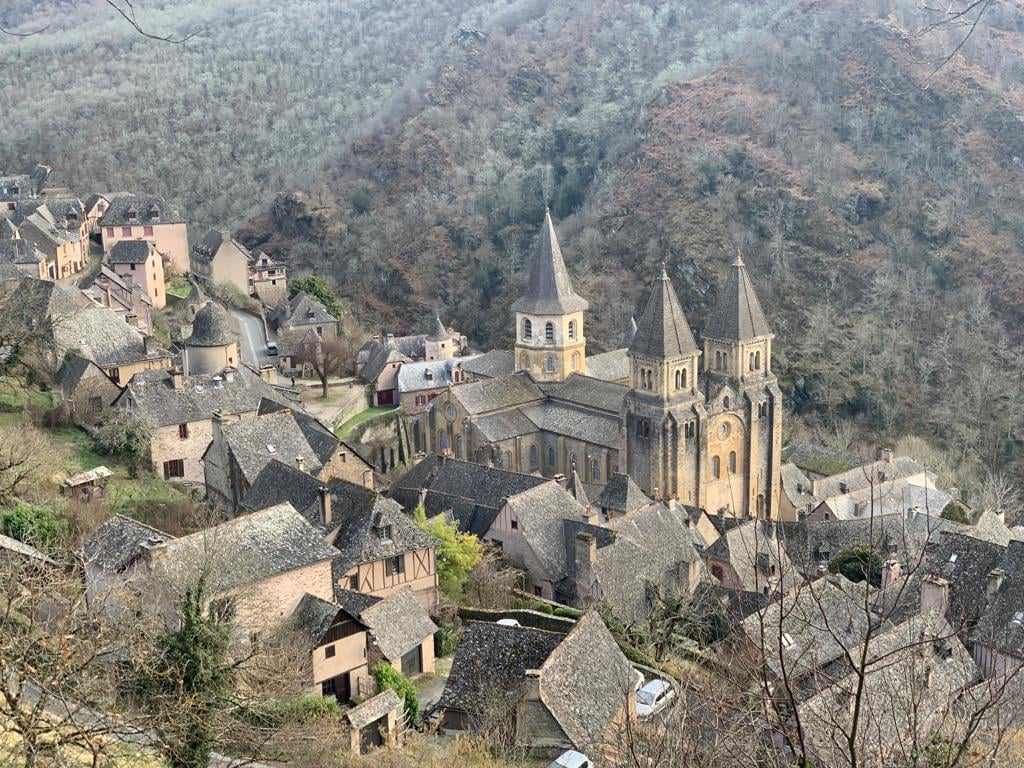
(534, 457)
(514, 525)
(394, 565)
(952, 557)
(551, 456)
(353, 582)
(572, 329)
(174, 468)
(549, 364)
(732, 462)
(679, 379)
(527, 328)
(726, 403)
(549, 331)
(147, 231)
(329, 652)
(538, 591)
(757, 361)
(716, 467)
(183, 431)
(126, 231)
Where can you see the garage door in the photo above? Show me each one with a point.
(412, 662)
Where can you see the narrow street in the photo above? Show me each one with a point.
(251, 337)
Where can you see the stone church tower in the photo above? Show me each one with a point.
(710, 436)
(549, 317)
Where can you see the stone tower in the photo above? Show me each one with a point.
(744, 404)
(664, 408)
(549, 317)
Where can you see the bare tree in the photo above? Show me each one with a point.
(324, 356)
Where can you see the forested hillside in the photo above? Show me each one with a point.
(406, 151)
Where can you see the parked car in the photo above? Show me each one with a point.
(507, 623)
(571, 759)
(653, 697)
(272, 349)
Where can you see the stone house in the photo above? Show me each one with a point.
(268, 279)
(58, 233)
(138, 261)
(15, 190)
(888, 486)
(213, 344)
(544, 691)
(147, 217)
(86, 389)
(125, 297)
(240, 450)
(94, 207)
(258, 567)
(25, 257)
(353, 632)
(222, 260)
(377, 722)
(750, 556)
(179, 411)
(302, 313)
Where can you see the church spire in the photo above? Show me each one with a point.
(662, 331)
(738, 315)
(549, 290)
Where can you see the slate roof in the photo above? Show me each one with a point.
(102, 335)
(584, 681)
(474, 493)
(206, 249)
(314, 616)
(609, 366)
(279, 482)
(397, 623)
(373, 709)
(72, 371)
(490, 665)
(589, 391)
(490, 395)
(491, 365)
(505, 425)
(21, 549)
(966, 563)
(549, 288)
(797, 487)
(541, 512)
(21, 182)
(892, 497)
(153, 397)
(908, 689)
(304, 309)
(622, 494)
(737, 315)
(149, 210)
(440, 333)
(413, 377)
(577, 489)
(810, 627)
(20, 252)
(576, 423)
(274, 436)
(662, 331)
(368, 532)
(212, 327)
(245, 550)
(118, 542)
(865, 476)
(131, 251)
(378, 356)
(651, 549)
(1002, 624)
(757, 553)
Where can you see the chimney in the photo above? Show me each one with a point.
(177, 378)
(934, 594)
(561, 480)
(585, 556)
(300, 463)
(325, 506)
(995, 581)
(891, 573)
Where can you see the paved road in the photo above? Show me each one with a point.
(253, 341)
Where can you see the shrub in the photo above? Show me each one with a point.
(387, 676)
(295, 710)
(32, 524)
(124, 436)
(857, 564)
(457, 552)
(447, 639)
(956, 512)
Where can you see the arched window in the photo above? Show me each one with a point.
(549, 331)
(751, 364)
(576, 361)
(760, 505)
(684, 379)
(534, 457)
(725, 403)
(732, 462)
(716, 467)
(549, 363)
(679, 379)
(757, 360)
(527, 328)
(725, 361)
(458, 446)
(718, 361)
(508, 459)
(572, 329)
(595, 470)
(551, 456)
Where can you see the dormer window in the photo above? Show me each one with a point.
(1018, 618)
(952, 558)
(384, 532)
(271, 449)
(131, 214)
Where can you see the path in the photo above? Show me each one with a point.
(254, 343)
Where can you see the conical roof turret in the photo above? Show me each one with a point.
(549, 290)
(662, 331)
(738, 315)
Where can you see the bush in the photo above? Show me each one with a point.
(457, 552)
(447, 639)
(317, 288)
(124, 436)
(857, 564)
(387, 676)
(296, 710)
(32, 524)
(957, 513)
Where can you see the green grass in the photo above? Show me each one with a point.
(16, 397)
(178, 287)
(350, 425)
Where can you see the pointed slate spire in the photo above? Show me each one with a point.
(575, 487)
(738, 315)
(662, 331)
(440, 332)
(549, 290)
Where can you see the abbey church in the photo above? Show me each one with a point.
(697, 423)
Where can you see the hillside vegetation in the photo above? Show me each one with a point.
(406, 152)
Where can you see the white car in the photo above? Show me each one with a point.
(653, 697)
(507, 623)
(571, 759)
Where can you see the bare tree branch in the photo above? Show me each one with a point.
(126, 10)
